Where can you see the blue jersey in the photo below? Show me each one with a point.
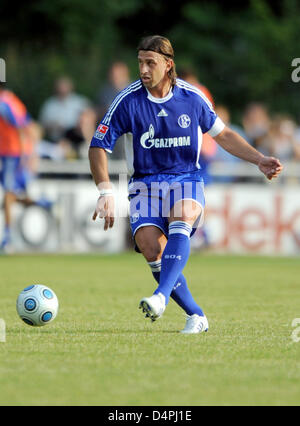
(161, 135)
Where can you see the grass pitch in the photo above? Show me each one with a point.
(101, 351)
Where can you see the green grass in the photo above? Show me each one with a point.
(101, 351)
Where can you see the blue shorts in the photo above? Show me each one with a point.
(152, 198)
(13, 176)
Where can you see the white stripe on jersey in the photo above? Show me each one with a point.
(129, 155)
(127, 89)
(200, 139)
(184, 85)
(132, 88)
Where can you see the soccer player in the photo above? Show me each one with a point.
(163, 119)
(13, 122)
(16, 155)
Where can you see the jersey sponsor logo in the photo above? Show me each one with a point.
(148, 141)
(101, 131)
(184, 121)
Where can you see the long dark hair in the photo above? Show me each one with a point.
(163, 46)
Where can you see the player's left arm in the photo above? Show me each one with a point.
(236, 145)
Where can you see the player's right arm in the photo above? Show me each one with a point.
(105, 203)
(114, 124)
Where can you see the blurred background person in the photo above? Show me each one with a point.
(187, 74)
(281, 139)
(48, 150)
(221, 154)
(209, 146)
(61, 111)
(208, 152)
(224, 112)
(297, 143)
(75, 141)
(256, 123)
(19, 139)
(117, 79)
(15, 149)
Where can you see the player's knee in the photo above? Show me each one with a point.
(188, 213)
(151, 250)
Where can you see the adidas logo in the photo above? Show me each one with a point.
(162, 113)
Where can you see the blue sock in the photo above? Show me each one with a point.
(183, 297)
(180, 293)
(174, 257)
(6, 236)
(44, 203)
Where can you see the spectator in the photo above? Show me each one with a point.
(118, 79)
(281, 141)
(190, 76)
(61, 111)
(297, 144)
(48, 150)
(209, 146)
(75, 141)
(30, 148)
(223, 112)
(42, 148)
(208, 152)
(224, 156)
(256, 123)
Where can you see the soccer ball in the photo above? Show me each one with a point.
(37, 305)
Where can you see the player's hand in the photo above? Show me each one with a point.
(270, 167)
(105, 208)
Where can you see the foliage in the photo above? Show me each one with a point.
(245, 57)
(241, 55)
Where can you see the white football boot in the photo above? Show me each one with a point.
(195, 324)
(154, 306)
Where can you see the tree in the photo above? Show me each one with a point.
(244, 57)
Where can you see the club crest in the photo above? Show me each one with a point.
(184, 121)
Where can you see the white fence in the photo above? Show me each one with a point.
(261, 219)
(217, 169)
(68, 226)
(239, 218)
